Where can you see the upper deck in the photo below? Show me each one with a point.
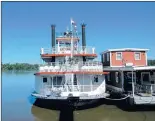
(93, 67)
(66, 51)
(63, 38)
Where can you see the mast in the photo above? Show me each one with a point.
(73, 29)
(72, 38)
(83, 40)
(53, 40)
(73, 25)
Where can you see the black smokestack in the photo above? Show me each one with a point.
(83, 35)
(83, 39)
(53, 36)
(53, 40)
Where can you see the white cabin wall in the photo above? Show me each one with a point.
(49, 80)
(79, 59)
(58, 59)
(38, 83)
(87, 79)
(101, 79)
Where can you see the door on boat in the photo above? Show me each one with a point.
(145, 78)
(57, 81)
(75, 83)
(45, 81)
(128, 80)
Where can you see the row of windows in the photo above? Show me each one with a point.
(60, 78)
(137, 56)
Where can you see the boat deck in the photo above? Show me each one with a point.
(66, 97)
(145, 99)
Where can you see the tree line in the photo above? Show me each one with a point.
(19, 66)
(151, 62)
(29, 67)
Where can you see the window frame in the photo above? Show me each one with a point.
(117, 56)
(139, 55)
(44, 80)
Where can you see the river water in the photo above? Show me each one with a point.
(17, 106)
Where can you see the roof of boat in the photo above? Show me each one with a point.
(129, 68)
(125, 49)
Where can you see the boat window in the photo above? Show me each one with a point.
(137, 55)
(44, 80)
(96, 79)
(57, 80)
(118, 55)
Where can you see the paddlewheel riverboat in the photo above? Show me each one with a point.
(70, 73)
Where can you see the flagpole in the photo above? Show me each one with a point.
(72, 53)
(71, 40)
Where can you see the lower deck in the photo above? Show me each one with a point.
(141, 99)
(70, 85)
(138, 83)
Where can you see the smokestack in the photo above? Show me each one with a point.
(53, 40)
(53, 36)
(83, 39)
(83, 35)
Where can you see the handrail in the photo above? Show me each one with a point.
(61, 67)
(60, 88)
(145, 88)
(66, 49)
(90, 63)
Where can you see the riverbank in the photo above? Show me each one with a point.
(34, 67)
(19, 67)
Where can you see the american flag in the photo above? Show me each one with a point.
(73, 22)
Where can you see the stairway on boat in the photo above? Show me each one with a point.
(74, 87)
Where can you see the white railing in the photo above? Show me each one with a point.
(149, 88)
(67, 50)
(49, 89)
(75, 66)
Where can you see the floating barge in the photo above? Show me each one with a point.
(129, 75)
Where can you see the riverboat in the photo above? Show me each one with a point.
(70, 73)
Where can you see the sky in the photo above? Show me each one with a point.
(26, 26)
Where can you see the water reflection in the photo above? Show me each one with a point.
(105, 112)
(41, 114)
(16, 106)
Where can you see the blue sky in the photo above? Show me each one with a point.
(26, 26)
